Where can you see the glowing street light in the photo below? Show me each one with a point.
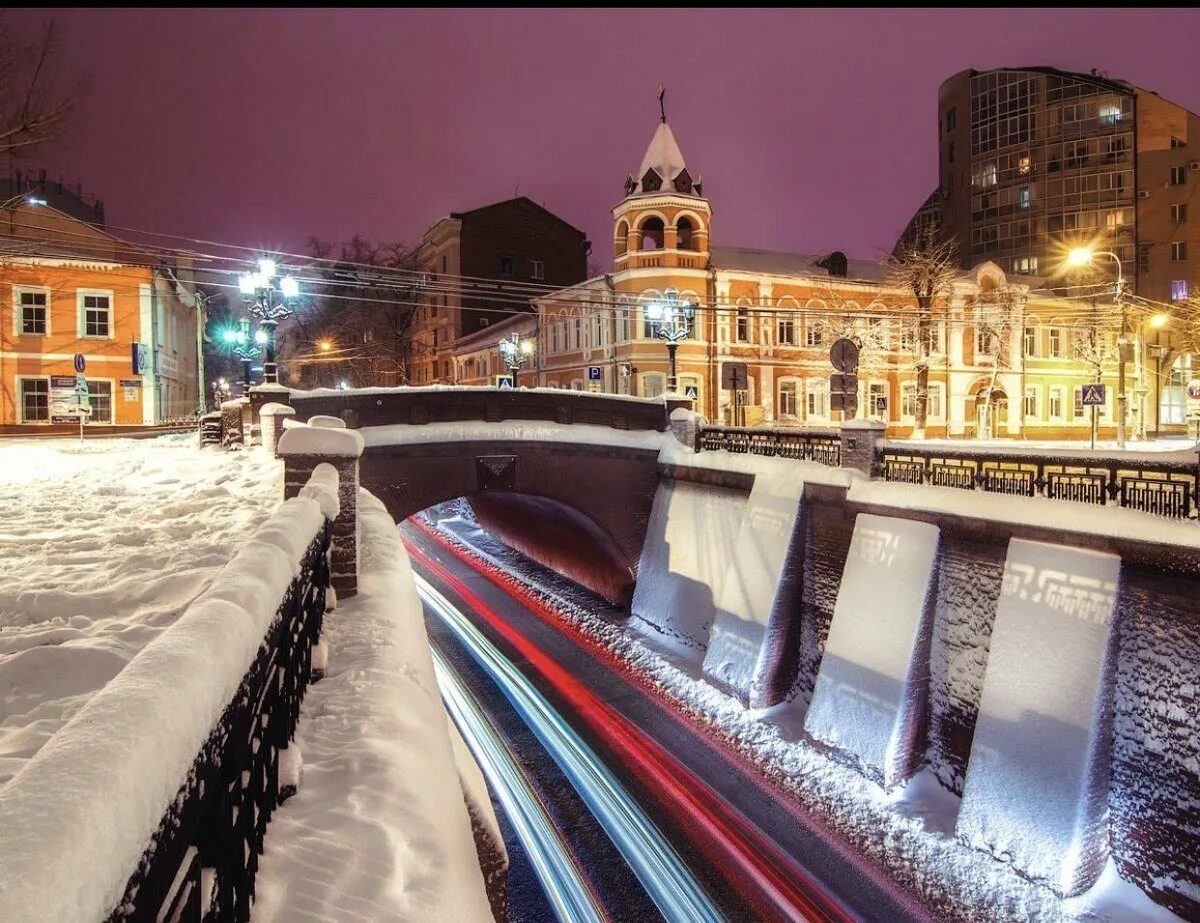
(260, 290)
(672, 320)
(1084, 256)
(243, 345)
(325, 346)
(516, 350)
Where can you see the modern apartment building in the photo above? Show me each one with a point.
(1034, 161)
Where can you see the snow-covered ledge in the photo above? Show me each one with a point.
(303, 449)
(271, 421)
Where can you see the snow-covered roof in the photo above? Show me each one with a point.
(790, 264)
(663, 156)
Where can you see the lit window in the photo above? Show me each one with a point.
(1179, 289)
(1023, 197)
(1024, 164)
(1110, 115)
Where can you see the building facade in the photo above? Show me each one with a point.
(478, 360)
(1035, 161)
(516, 243)
(71, 289)
(1008, 357)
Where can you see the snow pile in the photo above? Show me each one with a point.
(379, 830)
(1037, 783)
(525, 430)
(320, 440)
(75, 820)
(872, 687)
(104, 544)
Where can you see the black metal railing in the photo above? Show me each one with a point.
(1163, 488)
(218, 820)
(819, 446)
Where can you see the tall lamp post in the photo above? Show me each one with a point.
(515, 350)
(1083, 256)
(245, 347)
(260, 287)
(672, 320)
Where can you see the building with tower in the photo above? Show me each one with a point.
(1007, 357)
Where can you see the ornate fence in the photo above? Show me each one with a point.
(820, 446)
(1163, 488)
(202, 861)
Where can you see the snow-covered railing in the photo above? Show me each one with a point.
(823, 446)
(152, 802)
(1163, 488)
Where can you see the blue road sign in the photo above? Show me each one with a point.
(1093, 395)
(594, 373)
(691, 391)
(80, 362)
(504, 381)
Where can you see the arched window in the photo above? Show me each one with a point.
(683, 234)
(814, 323)
(652, 233)
(621, 239)
(741, 326)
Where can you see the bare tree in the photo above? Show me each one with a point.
(33, 103)
(354, 322)
(998, 319)
(926, 267)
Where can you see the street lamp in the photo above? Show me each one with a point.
(1083, 256)
(516, 350)
(260, 289)
(243, 346)
(672, 320)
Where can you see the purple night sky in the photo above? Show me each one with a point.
(813, 130)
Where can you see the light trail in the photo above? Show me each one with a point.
(667, 879)
(565, 886)
(768, 878)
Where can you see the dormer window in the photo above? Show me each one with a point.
(683, 182)
(651, 181)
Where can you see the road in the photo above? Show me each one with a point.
(658, 818)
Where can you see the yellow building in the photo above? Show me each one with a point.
(1007, 357)
(67, 289)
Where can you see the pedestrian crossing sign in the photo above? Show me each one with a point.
(504, 381)
(692, 391)
(1093, 395)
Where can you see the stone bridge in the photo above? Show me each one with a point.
(567, 477)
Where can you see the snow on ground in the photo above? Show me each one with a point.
(379, 829)
(1177, 448)
(104, 544)
(909, 831)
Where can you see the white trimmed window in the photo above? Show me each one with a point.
(1032, 406)
(1056, 343)
(787, 329)
(539, 269)
(1031, 339)
(789, 398)
(933, 404)
(816, 399)
(653, 384)
(877, 402)
(31, 311)
(95, 314)
(742, 325)
(100, 396)
(1058, 401)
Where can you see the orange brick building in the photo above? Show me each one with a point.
(68, 288)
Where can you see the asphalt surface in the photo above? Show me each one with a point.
(755, 853)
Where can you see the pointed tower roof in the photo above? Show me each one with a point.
(661, 167)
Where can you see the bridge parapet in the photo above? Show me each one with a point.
(417, 406)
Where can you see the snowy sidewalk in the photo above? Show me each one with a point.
(379, 829)
(104, 544)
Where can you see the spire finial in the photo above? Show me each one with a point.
(662, 108)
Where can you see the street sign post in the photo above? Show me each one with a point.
(80, 363)
(844, 355)
(1093, 396)
(735, 377)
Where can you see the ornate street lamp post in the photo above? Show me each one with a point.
(516, 350)
(672, 320)
(245, 347)
(263, 304)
